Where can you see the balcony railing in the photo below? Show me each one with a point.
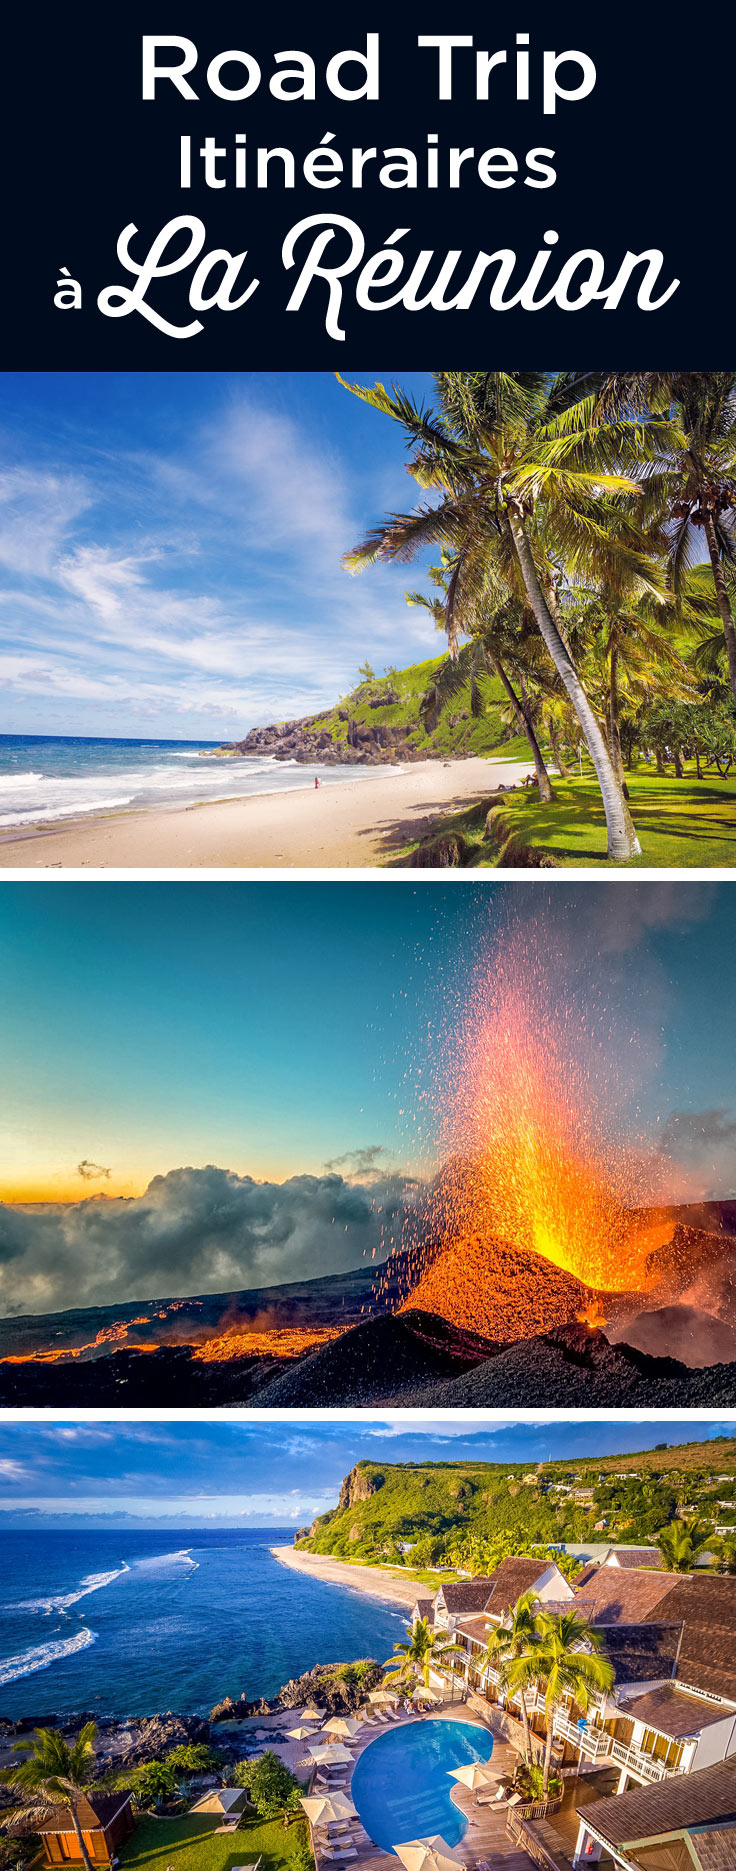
(595, 1744)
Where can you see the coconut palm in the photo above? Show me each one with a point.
(693, 478)
(426, 1649)
(564, 1662)
(681, 1543)
(628, 638)
(495, 650)
(522, 468)
(507, 1643)
(59, 1773)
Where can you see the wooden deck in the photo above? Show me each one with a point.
(486, 1836)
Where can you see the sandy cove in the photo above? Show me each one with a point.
(345, 826)
(370, 1579)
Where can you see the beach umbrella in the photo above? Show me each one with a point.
(328, 1809)
(383, 1695)
(430, 1854)
(300, 1734)
(329, 1755)
(425, 1694)
(344, 1725)
(475, 1774)
(312, 1713)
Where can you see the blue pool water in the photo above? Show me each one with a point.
(401, 1784)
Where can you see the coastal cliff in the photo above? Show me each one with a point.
(383, 721)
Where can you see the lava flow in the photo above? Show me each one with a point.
(280, 1342)
(533, 1218)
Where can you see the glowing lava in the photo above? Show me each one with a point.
(281, 1342)
(542, 1169)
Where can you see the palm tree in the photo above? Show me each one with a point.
(694, 474)
(494, 651)
(682, 1542)
(425, 1649)
(563, 1661)
(522, 468)
(59, 1773)
(509, 1642)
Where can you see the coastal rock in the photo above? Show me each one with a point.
(157, 1734)
(358, 1486)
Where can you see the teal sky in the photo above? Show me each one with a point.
(268, 1028)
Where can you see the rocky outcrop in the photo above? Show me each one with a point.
(359, 1485)
(336, 1687)
(155, 1736)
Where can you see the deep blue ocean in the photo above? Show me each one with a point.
(42, 778)
(125, 1624)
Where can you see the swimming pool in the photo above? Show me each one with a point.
(401, 1783)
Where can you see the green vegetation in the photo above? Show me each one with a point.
(680, 823)
(399, 698)
(271, 1785)
(156, 1784)
(191, 1844)
(447, 1518)
(59, 1772)
(586, 528)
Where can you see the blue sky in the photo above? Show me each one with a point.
(170, 550)
(219, 1086)
(269, 1471)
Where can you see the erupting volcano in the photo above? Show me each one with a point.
(536, 1217)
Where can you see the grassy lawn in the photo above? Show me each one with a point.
(681, 823)
(191, 1844)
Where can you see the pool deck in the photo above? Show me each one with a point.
(486, 1835)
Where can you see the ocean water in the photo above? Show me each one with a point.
(43, 779)
(123, 1624)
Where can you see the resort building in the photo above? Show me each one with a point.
(680, 1825)
(106, 1821)
(491, 1598)
(671, 1639)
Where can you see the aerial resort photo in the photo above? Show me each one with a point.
(227, 1645)
(475, 619)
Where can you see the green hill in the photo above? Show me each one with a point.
(394, 700)
(384, 718)
(440, 1509)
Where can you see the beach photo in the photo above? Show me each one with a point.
(502, 1645)
(300, 621)
(292, 1145)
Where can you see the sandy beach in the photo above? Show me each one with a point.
(361, 823)
(370, 1579)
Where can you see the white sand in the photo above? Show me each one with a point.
(371, 1579)
(355, 824)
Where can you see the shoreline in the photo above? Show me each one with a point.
(369, 1579)
(358, 824)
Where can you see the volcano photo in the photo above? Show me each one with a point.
(432, 1144)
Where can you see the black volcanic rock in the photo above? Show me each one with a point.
(574, 1367)
(411, 1351)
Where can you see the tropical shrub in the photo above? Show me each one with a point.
(157, 1782)
(272, 1787)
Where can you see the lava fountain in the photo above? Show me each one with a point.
(542, 1169)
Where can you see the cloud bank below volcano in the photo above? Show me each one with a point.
(195, 1231)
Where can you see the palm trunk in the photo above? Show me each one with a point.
(523, 716)
(729, 630)
(525, 1727)
(554, 741)
(547, 1752)
(80, 1841)
(622, 840)
(614, 719)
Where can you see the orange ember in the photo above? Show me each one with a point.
(532, 1220)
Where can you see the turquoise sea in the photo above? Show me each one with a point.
(47, 779)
